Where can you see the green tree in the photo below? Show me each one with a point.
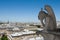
(4, 37)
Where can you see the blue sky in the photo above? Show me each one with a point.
(26, 10)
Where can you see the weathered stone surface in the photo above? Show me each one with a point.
(42, 15)
(50, 20)
(48, 35)
(50, 31)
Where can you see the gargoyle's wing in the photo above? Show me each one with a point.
(51, 14)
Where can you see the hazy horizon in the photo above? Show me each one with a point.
(26, 10)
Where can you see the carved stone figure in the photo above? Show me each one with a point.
(48, 21)
(49, 17)
(42, 15)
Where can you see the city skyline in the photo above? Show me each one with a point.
(25, 10)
